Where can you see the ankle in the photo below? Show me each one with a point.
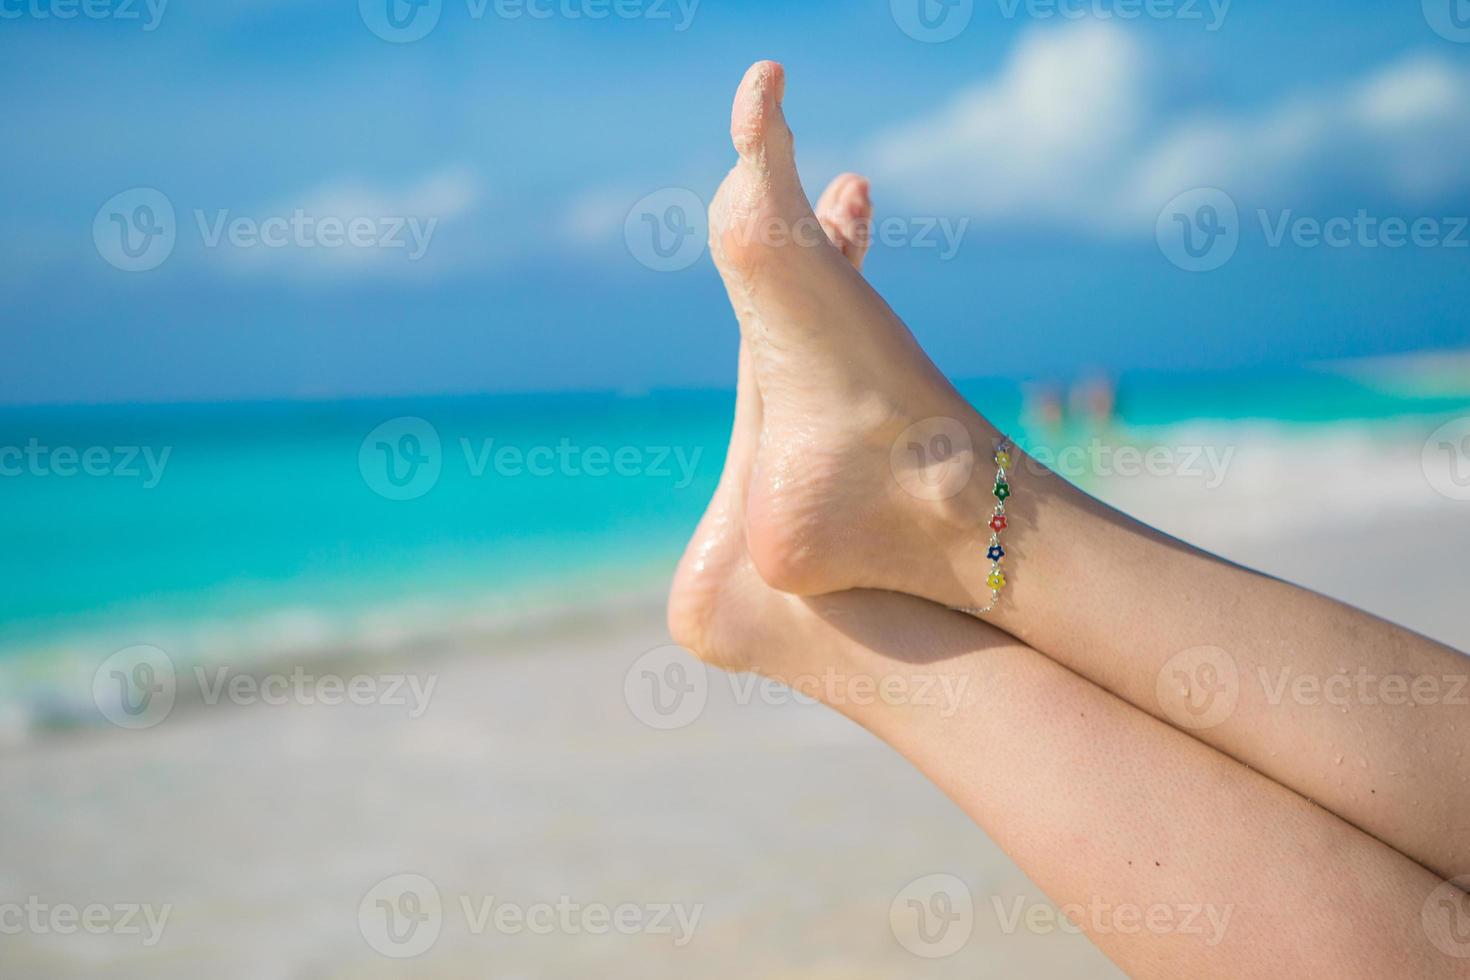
(966, 511)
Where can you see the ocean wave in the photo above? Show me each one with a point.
(60, 685)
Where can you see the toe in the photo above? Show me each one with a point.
(845, 210)
(761, 208)
(827, 203)
(757, 125)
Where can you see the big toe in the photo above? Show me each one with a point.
(757, 124)
(761, 210)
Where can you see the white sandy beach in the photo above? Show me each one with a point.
(529, 780)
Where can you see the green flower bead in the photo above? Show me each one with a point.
(1002, 489)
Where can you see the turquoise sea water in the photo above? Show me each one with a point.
(220, 513)
(259, 507)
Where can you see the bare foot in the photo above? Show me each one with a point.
(831, 505)
(716, 592)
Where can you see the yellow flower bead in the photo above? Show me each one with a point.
(996, 581)
(1003, 460)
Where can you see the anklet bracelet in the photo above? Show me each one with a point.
(996, 552)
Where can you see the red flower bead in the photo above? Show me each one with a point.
(998, 523)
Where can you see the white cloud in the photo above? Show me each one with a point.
(1072, 134)
(1034, 142)
(1415, 112)
(447, 193)
(411, 230)
(596, 217)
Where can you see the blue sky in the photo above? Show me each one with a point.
(1054, 143)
